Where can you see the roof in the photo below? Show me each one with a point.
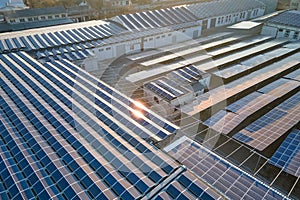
(222, 7)
(80, 140)
(11, 3)
(245, 25)
(35, 12)
(39, 24)
(288, 18)
(37, 39)
(155, 18)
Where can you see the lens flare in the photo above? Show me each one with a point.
(137, 114)
(139, 104)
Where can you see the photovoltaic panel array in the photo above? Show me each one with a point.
(185, 187)
(71, 53)
(156, 18)
(239, 111)
(56, 144)
(168, 87)
(268, 128)
(287, 156)
(61, 38)
(228, 179)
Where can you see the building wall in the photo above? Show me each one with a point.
(279, 31)
(36, 18)
(232, 18)
(116, 50)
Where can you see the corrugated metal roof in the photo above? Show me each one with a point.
(288, 18)
(222, 7)
(35, 12)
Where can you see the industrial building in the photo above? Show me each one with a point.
(230, 129)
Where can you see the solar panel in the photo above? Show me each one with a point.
(126, 22)
(69, 37)
(155, 18)
(61, 37)
(35, 42)
(56, 39)
(42, 41)
(27, 43)
(18, 43)
(160, 91)
(287, 156)
(295, 75)
(173, 15)
(225, 177)
(133, 21)
(149, 20)
(87, 34)
(268, 128)
(239, 85)
(43, 106)
(169, 88)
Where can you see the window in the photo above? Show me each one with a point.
(63, 15)
(43, 17)
(30, 19)
(12, 20)
(56, 16)
(287, 33)
(35, 19)
(145, 40)
(101, 50)
(150, 39)
(183, 31)
(50, 17)
(108, 48)
(131, 47)
(157, 37)
(296, 35)
(170, 34)
(22, 20)
(163, 36)
(244, 14)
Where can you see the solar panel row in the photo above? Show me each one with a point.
(60, 38)
(236, 113)
(228, 179)
(156, 18)
(251, 64)
(287, 156)
(52, 145)
(268, 128)
(59, 55)
(186, 186)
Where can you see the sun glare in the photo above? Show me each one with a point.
(138, 114)
(139, 104)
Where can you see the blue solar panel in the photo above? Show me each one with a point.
(242, 103)
(61, 37)
(225, 177)
(290, 104)
(19, 43)
(169, 88)
(149, 20)
(133, 21)
(60, 128)
(160, 91)
(273, 86)
(70, 38)
(287, 156)
(126, 22)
